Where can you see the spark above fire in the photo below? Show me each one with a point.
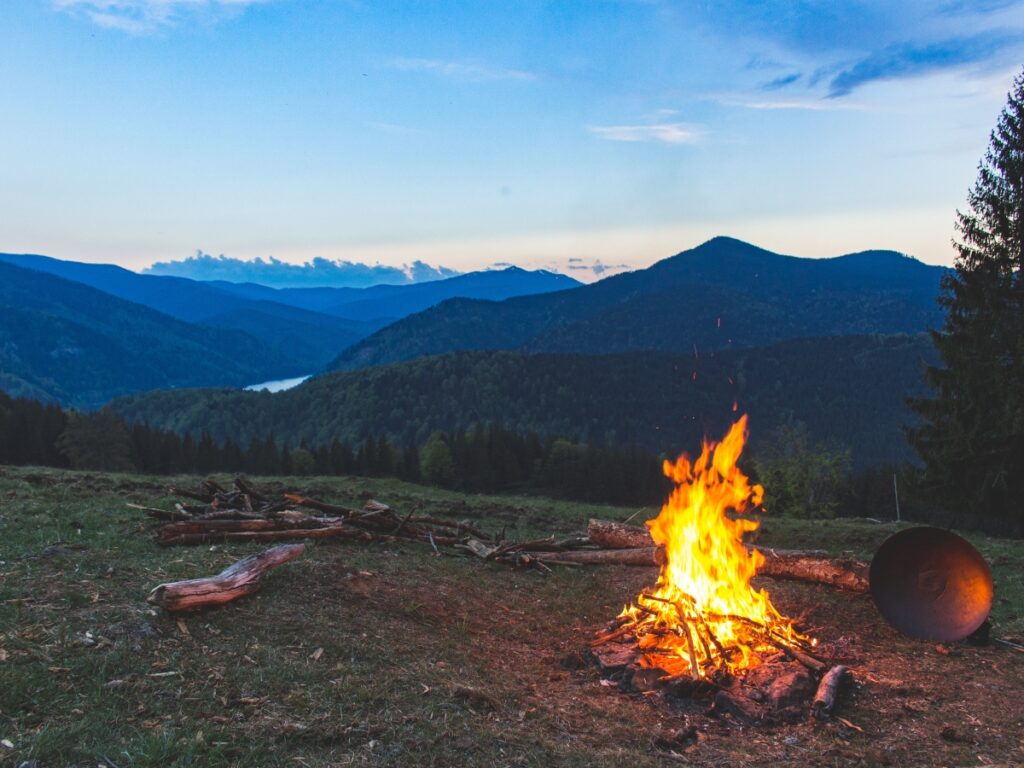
(703, 616)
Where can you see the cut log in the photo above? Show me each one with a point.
(242, 578)
(611, 535)
(839, 572)
(640, 556)
(828, 689)
(815, 567)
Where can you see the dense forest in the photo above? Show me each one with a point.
(804, 478)
(848, 391)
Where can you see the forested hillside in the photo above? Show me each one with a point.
(63, 341)
(850, 391)
(723, 294)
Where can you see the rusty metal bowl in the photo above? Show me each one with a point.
(931, 584)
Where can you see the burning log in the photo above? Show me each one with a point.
(828, 689)
(814, 567)
(240, 579)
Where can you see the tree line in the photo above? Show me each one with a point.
(485, 458)
(803, 478)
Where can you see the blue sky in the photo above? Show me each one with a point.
(572, 134)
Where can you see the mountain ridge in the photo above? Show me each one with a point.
(741, 295)
(69, 342)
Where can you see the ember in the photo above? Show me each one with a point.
(703, 617)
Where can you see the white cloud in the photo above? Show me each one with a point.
(142, 16)
(664, 133)
(459, 70)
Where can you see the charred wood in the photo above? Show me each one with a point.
(828, 690)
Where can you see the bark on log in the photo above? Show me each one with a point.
(828, 689)
(242, 578)
(839, 572)
(639, 556)
(815, 567)
(611, 535)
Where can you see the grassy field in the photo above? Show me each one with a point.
(374, 654)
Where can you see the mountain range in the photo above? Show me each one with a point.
(656, 357)
(722, 294)
(251, 333)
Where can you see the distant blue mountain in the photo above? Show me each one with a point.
(393, 302)
(493, 285)
(316, 273)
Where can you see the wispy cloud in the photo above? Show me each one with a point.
(663, 133)
(900, 61)
(780, 82)
(461, 70)
(142, 16)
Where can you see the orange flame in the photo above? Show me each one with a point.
(703, 615)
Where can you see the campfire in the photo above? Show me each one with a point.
(703, 616)
(703, 628)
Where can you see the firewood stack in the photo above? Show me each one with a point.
(213, 514)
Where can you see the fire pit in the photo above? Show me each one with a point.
(703, 632)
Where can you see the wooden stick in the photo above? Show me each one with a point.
(331, 509)
(828, 689)
(694, 671)
(328, 532)
(163, 514)
(242, 578)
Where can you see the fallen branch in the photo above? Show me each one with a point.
(242, 578)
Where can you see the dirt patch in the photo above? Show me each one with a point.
(910, 703)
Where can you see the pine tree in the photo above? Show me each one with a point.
(972, 433)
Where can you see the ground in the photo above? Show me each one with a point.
(380, 655)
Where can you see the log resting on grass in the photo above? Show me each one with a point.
(240, 579)
(624, 545)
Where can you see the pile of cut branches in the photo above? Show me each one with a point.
(214, 514)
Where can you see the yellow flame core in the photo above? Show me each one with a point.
(703, 614)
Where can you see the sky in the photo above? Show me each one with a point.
(585, 137)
